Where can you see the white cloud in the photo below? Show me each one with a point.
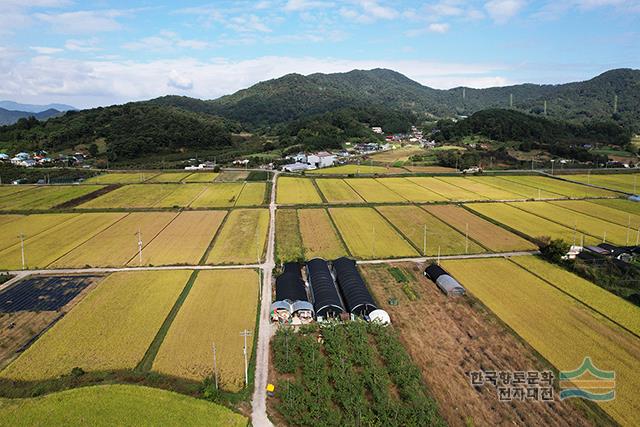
(368, 11)
(44, 50)
(439, 27)
(503, 10)
(165, 41)
(555, 10)
(90, 83)
(178, 81)
(84, 45)
(300, 5)
(84, 21)
(247, 24)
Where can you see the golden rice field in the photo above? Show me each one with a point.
(182, 196)
(319, 237)
(56, 241)
(401, 154)
(219, 195)
(481, 189)
(599, 229)
(410, 190)
(601, 212)
(110, 329)
(29, 226)
(288, 240)
(116, 404)
(527, 223)
(118, 244)
(45, 197)
(557, 186)
(416, 224)
(183, 241)
(253, 194)
(615, 308)
(628, 183)
(373, 191)
(242, 238)
(356, 170)
(368, 235)
(446, 189)
(294, 191)
(220, 305)
(620, 204)
(337, 191)
(487, 234)
(132, 196)
(121, 178)
(525, 191)
(169, 177)
(7, 190)
(561, 329)
(201, 177)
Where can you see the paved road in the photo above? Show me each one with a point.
(259, 402)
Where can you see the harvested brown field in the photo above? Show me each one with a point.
(232, 176)
(455, 336)
(489, 235)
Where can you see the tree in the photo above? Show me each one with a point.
(554, 250)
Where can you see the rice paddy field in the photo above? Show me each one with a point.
(564, 332)
(7, 190)
(413, 222)
(184, 241)
(220, 305)
(605, 303)
(620, 204)
(121, 178)
(526, 191)
(401, 154)
(320, 238)
(487, 234)
(368, 235)
(118, 244)
(356, 170)
(110, 329)
(56, 241)
(599, 211)
(232, 176)
(296, 191)
(564, 188)
(169, 177)
(242, 238)
(481, 189)
(372, 191)
(588, 225)
(410, 190)
(219, 195)
(117, 404)
(29, 226)
(289, 245)
(253, 194)
(132, 196)
(337, 191)
(45, 197)
(627, 183)
(527, 223)
(446, 189)
(201, 177)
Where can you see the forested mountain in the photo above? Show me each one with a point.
(295, 96)
(8, 117)
(34, 108)
(129, 130)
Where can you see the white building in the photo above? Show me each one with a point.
(321, 159)
(376, 129)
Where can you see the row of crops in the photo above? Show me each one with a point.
(349, 374)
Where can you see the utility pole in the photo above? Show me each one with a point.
(215, 366)
(22, 250)
(246, 333)
(139, 246)
(604, 238)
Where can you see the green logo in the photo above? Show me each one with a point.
(588, 382)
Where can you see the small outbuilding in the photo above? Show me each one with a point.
(291, 300)
(326, 300)
(354, 291)
(443, 280)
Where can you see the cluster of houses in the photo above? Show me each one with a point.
(40, 158)
(302, 161)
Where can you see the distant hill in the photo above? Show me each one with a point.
(296, 96)
(34, 108)
(8, 117)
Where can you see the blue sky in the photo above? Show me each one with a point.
(100, 52)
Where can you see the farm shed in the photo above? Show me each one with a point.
(326, 299)
(291, 295)
(354, 291)
(445, 282)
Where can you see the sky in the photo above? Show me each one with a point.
(98, 52)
